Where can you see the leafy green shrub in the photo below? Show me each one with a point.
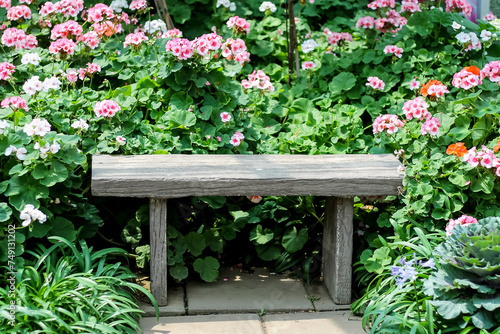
(72, 290)
(466, 286)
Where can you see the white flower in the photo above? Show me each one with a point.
(10, 149)
(33, 85)
(31, 58)
(38, 127)
(463, 37)
(309, 45)
(232, 6)
(55, 147)
(80, 125)
(118, 5)
(3, 125)
(225, 3)
(267, 5)
(485, 35)
(30, 214)
(121, 140)
(457, 26)
(154, 26)
(21, 153)
(51, 83)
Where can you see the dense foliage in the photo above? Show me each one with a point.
(416, 79)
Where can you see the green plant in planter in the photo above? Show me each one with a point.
(467, 285)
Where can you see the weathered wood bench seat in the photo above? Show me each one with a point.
(338, 177)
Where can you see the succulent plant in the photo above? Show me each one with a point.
(467, 284)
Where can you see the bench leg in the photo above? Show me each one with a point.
(158, 244)
(337, 248)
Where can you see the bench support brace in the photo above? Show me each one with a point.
(337, 248)
(158, 243)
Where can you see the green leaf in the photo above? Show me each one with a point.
(208, 268)
(179, 271)
(293, 240)
(260, 236)
(131, 233)
(25, 190)
(268, 252)
(5, 212)
(450, 309)
(214, 240)
(50, 174)
(182, 119)
(215, 202)
(342, 81)
(63, 228)
(262, 48)
(485, 183)
(241, 218)
(195, 243)
(143, 256)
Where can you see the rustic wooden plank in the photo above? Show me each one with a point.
(337, 248)
(178, 175)
(158, 244)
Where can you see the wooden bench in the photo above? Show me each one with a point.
(338, 177)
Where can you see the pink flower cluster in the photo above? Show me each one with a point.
(339, 38)
(484, 157)
(375, 83)
(64, 7)
(100, 12)
(138, 5)
(172, 33)
(464, 220)
(62, 46)
(382, 4)
(388, 123)
(259, 80)
(430, 126)
(393, 22)
(366, 22)
(6, 70)
(410, 6)
(465, 79)
(107, 28)
(490, 17)
(90, 39)
(67, 29)
(5, 4)
(15, 103)
(459, 6)
(19, 12)
(307, 65)
(106, 108)
(393, 49)
(416, 108)
(492, 71)
(90, 70)
(437, 90)
(135, 39)
(239, 24)
(237, 138)
(18, 38)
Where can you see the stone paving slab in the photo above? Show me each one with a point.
(175, 304)
(203, 324)
(321, 298)
(336, 322)
(238, 292)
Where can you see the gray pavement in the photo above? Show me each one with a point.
(259, 303)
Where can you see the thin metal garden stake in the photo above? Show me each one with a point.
(292, 44)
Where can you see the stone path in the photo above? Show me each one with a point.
(258, 303)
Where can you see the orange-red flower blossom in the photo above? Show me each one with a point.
(457, 149)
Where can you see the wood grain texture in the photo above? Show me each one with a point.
(337, 248)
(178, 175)
(158, 244)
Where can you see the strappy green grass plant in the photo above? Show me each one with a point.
(69, 289)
